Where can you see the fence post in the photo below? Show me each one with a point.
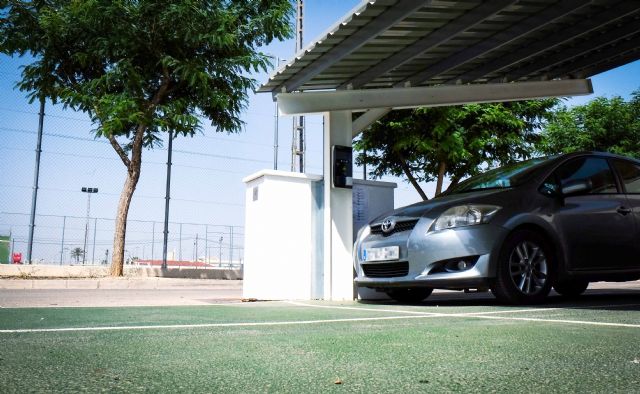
(93, 252)
(230, 246)
(206, 243)
(153, 243)
(180, 244)
(64, 225)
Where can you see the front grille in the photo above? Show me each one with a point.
(400, 226)
(386, 270)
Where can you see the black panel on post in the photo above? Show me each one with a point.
(342, 159)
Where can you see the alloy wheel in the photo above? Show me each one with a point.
(528, 267)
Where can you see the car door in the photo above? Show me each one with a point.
(629, 175)
(597, 230)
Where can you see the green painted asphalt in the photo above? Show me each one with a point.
(413, 354)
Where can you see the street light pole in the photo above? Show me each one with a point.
(276, 124)
(276, 117)
(166, 206)
(36, 178)
(89, 191)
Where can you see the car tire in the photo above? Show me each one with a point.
(410, 295)
(571, 288)
(524, 271)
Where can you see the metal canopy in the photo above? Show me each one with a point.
(403, 43)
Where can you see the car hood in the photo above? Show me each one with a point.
(419, 209)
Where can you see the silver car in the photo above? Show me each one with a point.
(521, 229)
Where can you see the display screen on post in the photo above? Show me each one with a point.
(342, 159)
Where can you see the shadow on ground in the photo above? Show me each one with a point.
(600, 299)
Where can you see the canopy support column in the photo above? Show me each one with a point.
(338, 217)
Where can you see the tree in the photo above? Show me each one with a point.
(141, 68)
(76, 253)
(603, 124)
(429, 144)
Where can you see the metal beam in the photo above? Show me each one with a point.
(594, 59)
(621, 61)
(596, 21)
(470, 19)
(382, 22)
(575, 52)
(514, 32)
(367, 119)
(315, 102)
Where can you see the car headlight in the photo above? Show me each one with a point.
(363, 233)
(465, 215)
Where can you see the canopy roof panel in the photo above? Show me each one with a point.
(399, 43)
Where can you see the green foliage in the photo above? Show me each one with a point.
(77, 253)
(151, 64)
(603, 124)
(461, 140)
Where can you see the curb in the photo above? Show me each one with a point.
(125, 283)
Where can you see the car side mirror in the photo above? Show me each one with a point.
(577, 187)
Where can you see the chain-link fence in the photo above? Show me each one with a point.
(64, 240)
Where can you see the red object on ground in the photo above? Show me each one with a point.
(17, 258)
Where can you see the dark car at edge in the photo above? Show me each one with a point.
(519, 230)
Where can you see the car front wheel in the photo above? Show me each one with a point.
(410, 295)
(524, 269)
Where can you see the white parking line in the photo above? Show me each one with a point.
(600, 306)
(417, 312)
(581, 322)
(211, 325)
(488, 315)
(353, 308)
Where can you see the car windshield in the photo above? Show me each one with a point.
(500, 178)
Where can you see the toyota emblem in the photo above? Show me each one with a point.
(388, 225)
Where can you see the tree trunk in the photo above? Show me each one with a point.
(133, 174)
(117, 264)
(412, 179)
(453, 183)
(442, 167)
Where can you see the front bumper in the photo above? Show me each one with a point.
(431, 255)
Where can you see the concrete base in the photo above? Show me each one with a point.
(48, 271)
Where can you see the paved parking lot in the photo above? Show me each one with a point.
(451, 342)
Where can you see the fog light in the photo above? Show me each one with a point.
(458, 265)
(463, 265)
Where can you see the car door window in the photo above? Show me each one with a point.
(594, 170)
(630, 175)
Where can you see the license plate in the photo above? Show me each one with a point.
(381, 254)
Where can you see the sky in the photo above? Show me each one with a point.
(207, 192)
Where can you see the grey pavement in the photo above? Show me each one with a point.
(104, 292)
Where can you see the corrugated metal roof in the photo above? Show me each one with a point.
(392, 43)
